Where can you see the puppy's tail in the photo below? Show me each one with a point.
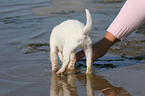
(88, 25)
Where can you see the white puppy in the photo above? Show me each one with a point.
(64, 40)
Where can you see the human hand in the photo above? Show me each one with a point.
(100, 48)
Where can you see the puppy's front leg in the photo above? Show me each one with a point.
(54, 58)
(89, 54)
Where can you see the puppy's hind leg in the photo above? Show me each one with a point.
(54, 58)
(89, 54)
(71, 66)
(66, 59)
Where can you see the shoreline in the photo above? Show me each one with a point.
(131, 78)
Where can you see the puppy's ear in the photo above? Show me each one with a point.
(88, 25)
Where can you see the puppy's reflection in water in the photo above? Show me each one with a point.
(63, 85)
(69, 85)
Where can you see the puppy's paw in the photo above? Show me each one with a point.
(54, 70)
(71, 68)
(89, 72)
(71, 72)
(60, 72)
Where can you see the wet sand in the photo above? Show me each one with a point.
(131, 78)
(25, 68)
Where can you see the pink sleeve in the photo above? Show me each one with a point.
(130, 17)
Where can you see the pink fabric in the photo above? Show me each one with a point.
(130, 17)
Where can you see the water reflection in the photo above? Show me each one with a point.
(95, 86)
(63, 86)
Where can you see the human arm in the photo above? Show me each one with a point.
(128, 20)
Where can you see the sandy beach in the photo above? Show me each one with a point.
(131, 78)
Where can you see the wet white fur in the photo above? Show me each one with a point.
(64, 40)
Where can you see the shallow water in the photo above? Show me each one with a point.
(25, 69)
